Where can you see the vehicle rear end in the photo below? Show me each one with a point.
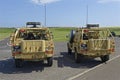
(33, 50)
(39, 48)
(96, 43)
(98, 47)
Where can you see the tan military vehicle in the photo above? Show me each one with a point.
(32, 43)
(91, 42)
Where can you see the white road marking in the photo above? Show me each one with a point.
(78, 75)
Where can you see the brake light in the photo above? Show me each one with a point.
(49, 52)
(15, 53)
(85, 30)
(22, 30)
(112, 50)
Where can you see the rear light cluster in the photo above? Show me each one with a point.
(112, 49)
(84, 46)
(86, 30)
(22, 30)
(16, 50)
(49, 50)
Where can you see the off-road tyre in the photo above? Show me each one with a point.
(105, 58)
(78, 58)
(69, 51)
(18, 63)
(50, 61)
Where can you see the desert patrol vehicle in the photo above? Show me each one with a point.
(91, 42)
(32, 43)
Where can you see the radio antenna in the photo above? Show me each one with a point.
(45, 15)
(87, 15)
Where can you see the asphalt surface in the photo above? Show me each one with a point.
(110, 71)
(64, 66)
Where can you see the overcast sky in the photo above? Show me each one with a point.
(15, 13)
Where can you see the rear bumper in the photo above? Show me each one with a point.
(32, 56)
(95, 53)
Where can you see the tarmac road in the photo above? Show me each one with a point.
(64, 67)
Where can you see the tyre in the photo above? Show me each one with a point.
(18, 63)
(105, 58)
(69, 51)
(72, 36)
(77, 58)
(50, 61)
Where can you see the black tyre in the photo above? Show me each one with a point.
(69, 51)
(18, 63)
(78, 58)
(50, 61)
(72, 36)
(105, 58)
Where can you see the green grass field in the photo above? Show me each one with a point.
(116, 30)
(5, 32)
(59, 33)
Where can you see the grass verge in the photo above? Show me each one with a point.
(5, 32)
(59, 33)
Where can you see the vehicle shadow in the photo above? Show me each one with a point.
(66, 60)
(8, 67)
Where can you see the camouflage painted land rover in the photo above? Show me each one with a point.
(92, 42)
(32, 43)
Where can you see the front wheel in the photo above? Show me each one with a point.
(105, 58)
(50, 61)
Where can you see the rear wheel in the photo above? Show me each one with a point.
(50, 61)
(69, 51)
(18, 63)
(78, 58)
(105, 58)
